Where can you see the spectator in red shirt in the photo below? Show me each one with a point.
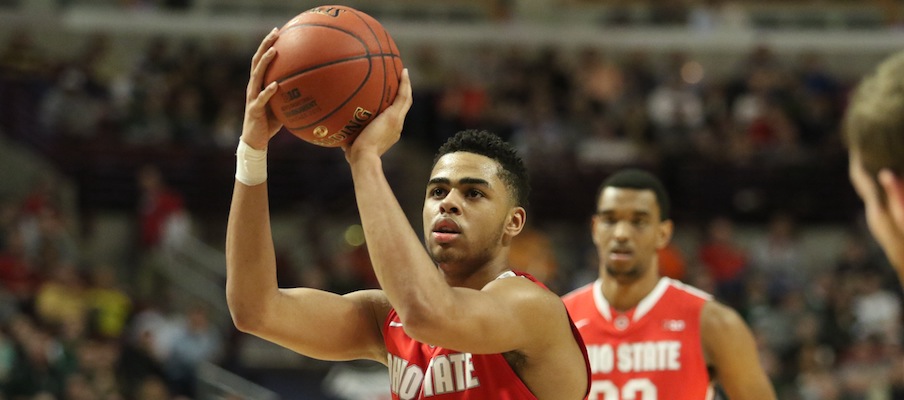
(158, 204)
(725, 260)
(16, 273)
(161, 219)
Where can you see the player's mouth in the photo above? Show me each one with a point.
(445, 231)
(621, 254)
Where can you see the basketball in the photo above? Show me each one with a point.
(336, 69)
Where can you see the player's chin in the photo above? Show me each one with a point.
(439, 253)
(621, 269)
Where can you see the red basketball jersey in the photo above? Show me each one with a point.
(421, 371)
(652, 352)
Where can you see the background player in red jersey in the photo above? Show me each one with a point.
(469, 329)
(874, 131)
(651, 337)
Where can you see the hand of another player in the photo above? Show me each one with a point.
(260, 125)
(385, 130)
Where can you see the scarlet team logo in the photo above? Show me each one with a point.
(446, 373)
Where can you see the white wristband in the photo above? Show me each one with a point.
(250, 164)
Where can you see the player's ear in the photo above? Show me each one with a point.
(893, 186)
(516, 220)
(593, 221)
(664, 235)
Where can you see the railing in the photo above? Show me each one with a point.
(196, 268)
(214, 382)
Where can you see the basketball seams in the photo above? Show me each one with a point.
(373, 33)
(367, 54)
(394, 56)
(344, 102)
(326, 64)
(369, 36)
(352, 95)
(339, 61)
(335, 28)
(388, 70)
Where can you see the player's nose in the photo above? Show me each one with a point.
(451, 203)
(622, 231)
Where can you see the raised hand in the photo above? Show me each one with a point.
(385, 130)
(260, 125)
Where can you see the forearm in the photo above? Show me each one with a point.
(402, 266)
(250, 258)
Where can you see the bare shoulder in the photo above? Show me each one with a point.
(374, 307)
(373, 300)
(716, 316)
(372, 296)
(520, 292)
(536, 307)
(550, 360)
(722, 332)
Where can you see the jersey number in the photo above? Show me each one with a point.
(634, 389)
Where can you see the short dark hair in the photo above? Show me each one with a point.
(641, 180)
(513, 173)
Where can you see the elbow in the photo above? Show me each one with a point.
(245, 317)
(245, 322)
(419, 330)
(423, 323)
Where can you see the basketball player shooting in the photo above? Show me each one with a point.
(451, 320)
(651, 337)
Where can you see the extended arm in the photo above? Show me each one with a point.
(312, 322)
(509, 315)
(506, 315)
(731, 349)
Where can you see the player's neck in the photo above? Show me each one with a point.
(624, 293)
(474, 278)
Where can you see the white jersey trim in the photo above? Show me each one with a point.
(692, 290)
(602, 305)
(646, 304)
(506, 274)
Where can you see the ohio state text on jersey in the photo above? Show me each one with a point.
(421, 371)
(652, 352)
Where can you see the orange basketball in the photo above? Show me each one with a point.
(336, 69)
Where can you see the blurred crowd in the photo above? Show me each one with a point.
(557, 105)
(71, 329)
(825, 331)
(74, 329)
